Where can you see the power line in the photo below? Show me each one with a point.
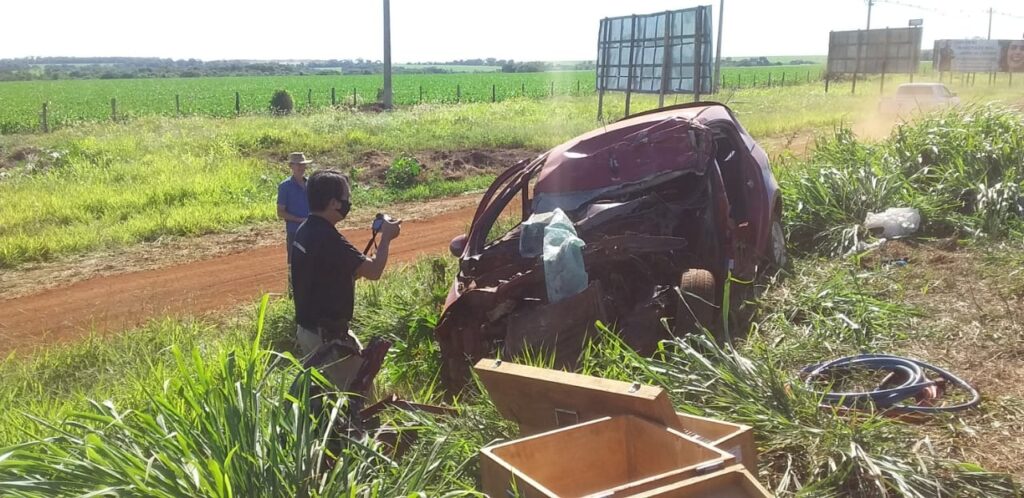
(1007, 14)
(969, 12)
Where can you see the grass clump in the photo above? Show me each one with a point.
(281, 102)
(403, 172)
(804, 449)
(962, 168)
(234, 424)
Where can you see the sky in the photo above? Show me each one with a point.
(442, 30)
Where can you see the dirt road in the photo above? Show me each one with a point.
(117, 302)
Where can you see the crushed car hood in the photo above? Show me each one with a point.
(627, 151)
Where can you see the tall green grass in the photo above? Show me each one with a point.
(962, 168)
(237, 423)
(115, 186)
(195, 411)
(827, 309)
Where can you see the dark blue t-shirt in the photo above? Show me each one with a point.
(323, 269)
(292, 196)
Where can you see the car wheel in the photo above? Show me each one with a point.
(696, 308)
(778, 246)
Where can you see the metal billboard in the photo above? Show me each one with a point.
(874, 51)
(660, 53)
(978, 56)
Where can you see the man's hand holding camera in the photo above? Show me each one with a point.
(390, 229)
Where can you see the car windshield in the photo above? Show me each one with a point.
(502, 214)
(914, 90)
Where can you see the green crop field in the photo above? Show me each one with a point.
(76, 101)
(72, 101)
(758, 76)
(455, 68)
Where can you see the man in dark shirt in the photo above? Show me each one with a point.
(324, 269)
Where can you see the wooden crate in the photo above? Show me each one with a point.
(733, 482)
(541, 400)
(735, 439)
(607, 457)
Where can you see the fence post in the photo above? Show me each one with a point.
(769, 80)
(578, 92)
(755, 80)
(739, 80)
(177, 104)
(113, 109)
(458, 93)
(238, 104)
(783, 79)
(353, 96)
(494, 93)
(44, 118)
(552, 88)
(309, 97)
(524, 89)
(421, 94)
(333, 100)
(808, 76)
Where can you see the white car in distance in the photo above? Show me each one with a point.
(912, 97)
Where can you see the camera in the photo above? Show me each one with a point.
(378, 221)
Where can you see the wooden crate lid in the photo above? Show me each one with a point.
(539, 399)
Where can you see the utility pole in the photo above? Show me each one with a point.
(387, 54)
(718, 51)
(990, 10)
(860, 46)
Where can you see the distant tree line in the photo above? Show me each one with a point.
(761, 61)
(59, 68)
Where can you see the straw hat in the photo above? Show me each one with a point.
(298, 158)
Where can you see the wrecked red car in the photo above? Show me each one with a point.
(669, 203)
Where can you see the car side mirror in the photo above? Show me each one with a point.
(458, 245)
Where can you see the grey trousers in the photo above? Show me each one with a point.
(341, 371)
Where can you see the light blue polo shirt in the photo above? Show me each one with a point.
(292, 196)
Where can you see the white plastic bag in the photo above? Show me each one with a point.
(893, 223)
(564, 272)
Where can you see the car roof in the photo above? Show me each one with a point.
(574, 154)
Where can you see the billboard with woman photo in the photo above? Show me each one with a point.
(979, 56)
(1012, 58)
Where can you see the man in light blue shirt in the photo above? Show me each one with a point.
(292, 204)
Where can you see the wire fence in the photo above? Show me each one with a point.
(53, 115)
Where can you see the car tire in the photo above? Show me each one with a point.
(696, 308)
(777, 257)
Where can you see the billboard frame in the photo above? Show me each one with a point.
(662, 78)
(870, 62)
